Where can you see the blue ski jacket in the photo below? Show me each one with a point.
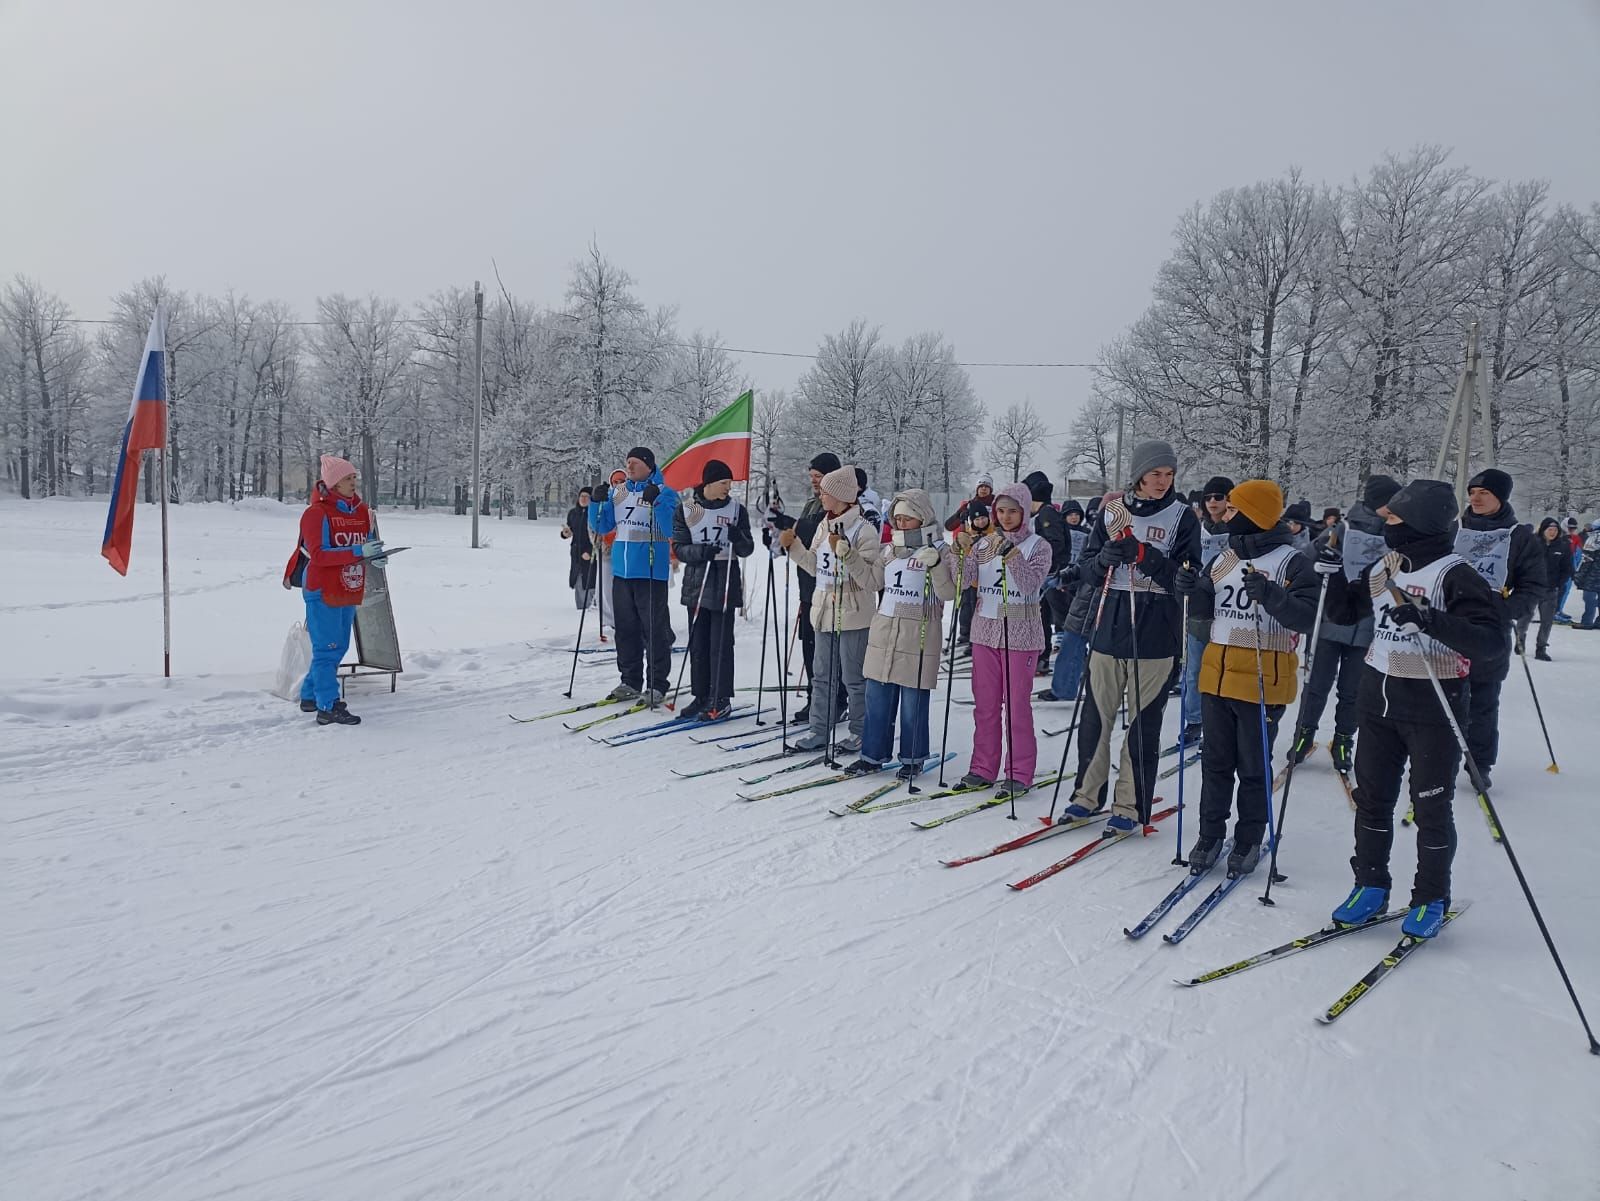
(643, 547)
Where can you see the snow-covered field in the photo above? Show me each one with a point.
(444, 956)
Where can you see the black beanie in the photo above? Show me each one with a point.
(1299, 511)
(1071, 506)
(1378, 490)
(861, 478)
(977, 508)
(825, 462)
(1332, 512)
(1427, 506)
(644, 454)
(715, 470)
(1493, 480)
(1039, 486)
(1217, 484)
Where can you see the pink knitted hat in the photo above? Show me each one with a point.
(335, 469)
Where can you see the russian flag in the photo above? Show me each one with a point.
(146, 430)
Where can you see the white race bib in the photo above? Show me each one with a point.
(1399, 654)
(634, 517)
(714, 527)
(1489, 552)
(905, 582)
(1158, 529)
(995, 583)
(1234, 616)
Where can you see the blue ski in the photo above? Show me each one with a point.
(1169, 902)
(1213, 899)
(676, 726)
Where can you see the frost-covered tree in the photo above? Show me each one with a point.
(1016, 437)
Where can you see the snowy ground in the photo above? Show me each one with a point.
(443, 956)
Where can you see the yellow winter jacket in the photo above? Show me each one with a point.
(1230, 671)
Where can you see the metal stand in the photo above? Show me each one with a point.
(1458, 423)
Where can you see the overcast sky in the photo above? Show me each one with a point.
(1006, 172)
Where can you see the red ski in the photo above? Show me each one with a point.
(1028, 839)
(1084, 852)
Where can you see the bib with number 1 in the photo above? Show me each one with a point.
(905, 582)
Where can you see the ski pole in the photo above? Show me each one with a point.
(836, 658)
(1135, 729)
(1483, 797)
(648, 657)
(1288, 779)
(725, 619)
(1088, 657)
(1183, 722)
(770, 601)
(1005, 677)
(1266, 740)
(576, 646)
(922, 642)
(694, 620)
(783, 658)
(1543, 729)
(950, 670)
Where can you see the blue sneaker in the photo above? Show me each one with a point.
(1423, 921)
(1074, 812)
(1120, 825)
(1362, 905)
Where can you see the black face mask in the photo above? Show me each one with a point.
(1401, 535)
(1242, 525)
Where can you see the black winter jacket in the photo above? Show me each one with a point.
(581, 572)
(1557, 560)
(1523, 588)
(1471, 623)
(1157, 628)
(705, 577)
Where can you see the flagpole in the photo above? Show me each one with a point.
(166, 564)
(167, 578)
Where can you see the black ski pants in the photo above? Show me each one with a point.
(1334, 661)
(1231, 751)
(1482, 723)
(644, 627)
(711, 655)
(1382, 753)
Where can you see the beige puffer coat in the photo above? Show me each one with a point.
(853, 590)
(904, 648)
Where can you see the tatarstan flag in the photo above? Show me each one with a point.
(726, 436)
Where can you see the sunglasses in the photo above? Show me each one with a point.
(1216, 496)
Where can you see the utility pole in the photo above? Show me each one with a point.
(477, 407)
(1117, 483)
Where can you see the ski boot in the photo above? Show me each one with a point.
(716, 708)
(1362, 905)
(1344, 754)
(1424, 920)
(1203, 855)
(692, 710)
(909, 771)
(1117, 824)
(1011, 789)
(1075, 813)
(1304, 739)
(972, 781)
(307, 706)
(623, 692)
(1242, 860)
(1193, 734)
(861, 767)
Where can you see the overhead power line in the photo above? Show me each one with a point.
(772, 354)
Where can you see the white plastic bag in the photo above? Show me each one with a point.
(293, 663)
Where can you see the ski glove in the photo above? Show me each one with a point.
(1258, 588)
(1186, 581)
(371, 549)
(1119, 552)
(927, 556)
(651, 491)
(1329, 566)
(1408, 619)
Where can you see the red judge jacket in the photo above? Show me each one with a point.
(330, 528)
